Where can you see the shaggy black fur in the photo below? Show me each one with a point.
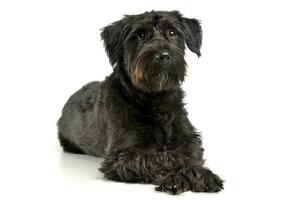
(136, 118)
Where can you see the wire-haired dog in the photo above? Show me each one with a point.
(136, 118)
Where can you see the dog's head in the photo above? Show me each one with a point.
(151, 47)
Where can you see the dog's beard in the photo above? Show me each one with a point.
(153, 76)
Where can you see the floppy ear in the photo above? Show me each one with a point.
(193, 34)
(113, 40)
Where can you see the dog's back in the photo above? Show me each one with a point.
(79, 120)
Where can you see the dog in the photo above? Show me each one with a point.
(135, 119)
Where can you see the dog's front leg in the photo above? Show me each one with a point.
(191, 172)
(146, 166)
(130, 165)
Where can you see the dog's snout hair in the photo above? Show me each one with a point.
(157, 34)
(159, 44)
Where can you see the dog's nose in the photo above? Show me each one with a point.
(162, 56)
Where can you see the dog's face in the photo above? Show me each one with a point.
(151, 47)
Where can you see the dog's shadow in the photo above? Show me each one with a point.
(79, 166)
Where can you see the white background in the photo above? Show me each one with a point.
(243, 94)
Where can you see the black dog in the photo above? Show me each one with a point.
(136, 119)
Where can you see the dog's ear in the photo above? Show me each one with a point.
(112, 35)
(193, 34)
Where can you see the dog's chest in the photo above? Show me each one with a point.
(156, 117)
(162, 122)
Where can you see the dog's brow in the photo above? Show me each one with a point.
(138, 26)
(167, 23)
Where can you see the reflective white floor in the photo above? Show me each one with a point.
(44, 171)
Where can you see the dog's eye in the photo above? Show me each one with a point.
(172, 33)
(139, 36)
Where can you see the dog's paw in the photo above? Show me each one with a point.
(110, 175)
(208, 182)
(173, 184)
